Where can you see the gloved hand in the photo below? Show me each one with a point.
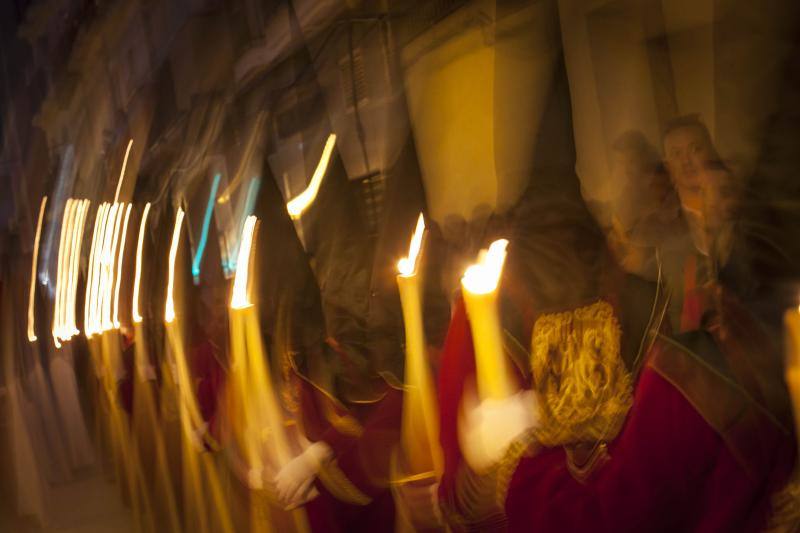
(488, 427)
(293, 483)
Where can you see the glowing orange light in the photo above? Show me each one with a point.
(239, 299)
(297, 205)
(407, 266)
(169, 312)
(137, 317)
(34, 262)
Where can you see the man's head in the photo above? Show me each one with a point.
(705, 186)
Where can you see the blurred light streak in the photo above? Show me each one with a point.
(109, 256)
(64, 323)
(122, 171)
(120, 260)
(198, 258)
(169, 312)
(297, 205)
(59, 305)
(63, 185)
(137, 317)
(239, 299)
(34, 261)
(89, 327)
(77, 245)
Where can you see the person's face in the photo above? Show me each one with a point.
(706, 189)
(687, 153)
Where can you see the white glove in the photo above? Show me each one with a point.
(486, 429)
(294, 481)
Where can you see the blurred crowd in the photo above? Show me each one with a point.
(358, 265)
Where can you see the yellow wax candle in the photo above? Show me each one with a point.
(200, 473)
(420, 424)
(260, 410)
(791, 320)
(479, 285)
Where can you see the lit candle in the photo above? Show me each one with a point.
(261, 405)
(479, 285)
(791, 320)
(169, 308)
(420, 429)
(120, 259)
(137, 277)
(260, 422)
(203, 482)
(142, 363)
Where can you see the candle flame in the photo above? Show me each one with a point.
(34, 262)
(407, 266)
(239, 299)
(483, 276)
(64, 323)
(71, 327)
(297, 205)
(62, 275)
(58, 306)
(120, 259)
(169, 312)
(109, 257)
(90, 326)
(137, 317)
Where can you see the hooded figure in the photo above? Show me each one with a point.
(341, 324)
(623, 426)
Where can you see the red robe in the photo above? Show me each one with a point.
(209, 380)
(364, 459)
(668, 469)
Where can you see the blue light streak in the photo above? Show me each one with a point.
(198, 257)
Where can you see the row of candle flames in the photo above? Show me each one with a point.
(480, 281)
(104, 276)
(101, 311)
